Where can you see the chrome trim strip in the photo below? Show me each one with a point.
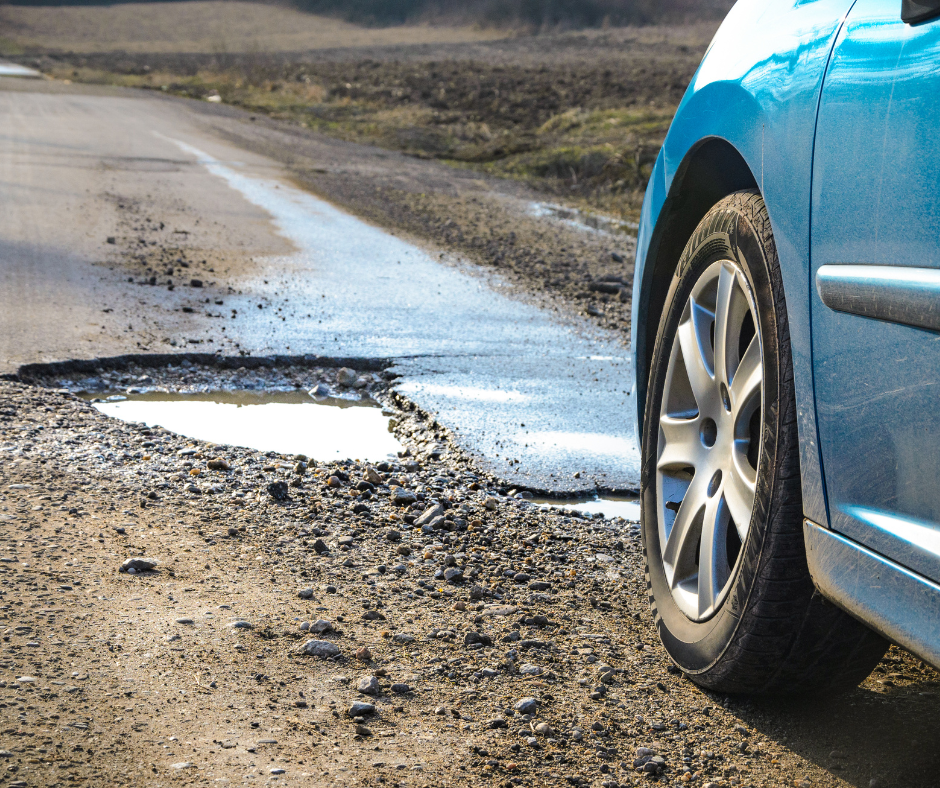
(892, 600)
(898, 294)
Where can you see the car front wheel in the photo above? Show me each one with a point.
(726, 567)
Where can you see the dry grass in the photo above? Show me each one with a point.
(218, 26)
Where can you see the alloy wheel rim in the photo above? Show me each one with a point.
(708, 452)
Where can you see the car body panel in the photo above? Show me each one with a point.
(869, 586)
(876, 253)
(758, 93)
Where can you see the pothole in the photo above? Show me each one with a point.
(287, 422)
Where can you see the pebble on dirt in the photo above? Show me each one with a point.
(320, 648)
(138, 565)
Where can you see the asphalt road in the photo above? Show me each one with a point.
(107, 191)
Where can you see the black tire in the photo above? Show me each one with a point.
(773, 633)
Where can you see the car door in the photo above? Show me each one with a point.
(875, 299)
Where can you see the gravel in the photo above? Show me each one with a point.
(562, 683)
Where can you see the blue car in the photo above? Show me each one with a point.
(786, 340)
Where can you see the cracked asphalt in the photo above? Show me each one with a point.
(159, 236)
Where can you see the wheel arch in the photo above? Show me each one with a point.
(711, 170)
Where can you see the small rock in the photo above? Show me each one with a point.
(530, 670)
(320, 626)
(472, 638)
(361, 709)
(319, 648)
(403, 550)
(195, 283)
(279, 491)
(491, 504)
(363, 654)
(346, 376)
(539, 585)
(181, 765)
(138, 565)
(184, 621)
(526, 706)
(400, 689)
(372, 476)
(577, 734)
(305, 593)
(362, 730)
(392, 535)
(218, 464)
(240, 625)
(453, 575)
(496, 722)
(372, 615)
(543, 729)
(368, 685)
(320, 547)
(320, 391)
(403, 497)
(429, 514)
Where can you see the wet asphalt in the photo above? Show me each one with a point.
(541, 399)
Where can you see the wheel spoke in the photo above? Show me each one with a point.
(696, 368)
(680, 441)
(747, 378)
(713, 560)
(678, 553)
(726, 286)
(739, 496)
(711, 403)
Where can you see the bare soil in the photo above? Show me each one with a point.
(216, 26)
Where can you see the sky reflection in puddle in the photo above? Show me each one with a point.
(285, 422)
(625, 506)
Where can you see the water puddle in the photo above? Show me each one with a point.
(584, 221)
(288, 422)
(625, 506)
(14, 70)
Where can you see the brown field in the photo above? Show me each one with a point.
(202, 26)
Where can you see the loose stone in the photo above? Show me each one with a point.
(319, 648)
(138, 565)
(361, 709)
(368, 685)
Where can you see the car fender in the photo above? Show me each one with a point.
(747, 120)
